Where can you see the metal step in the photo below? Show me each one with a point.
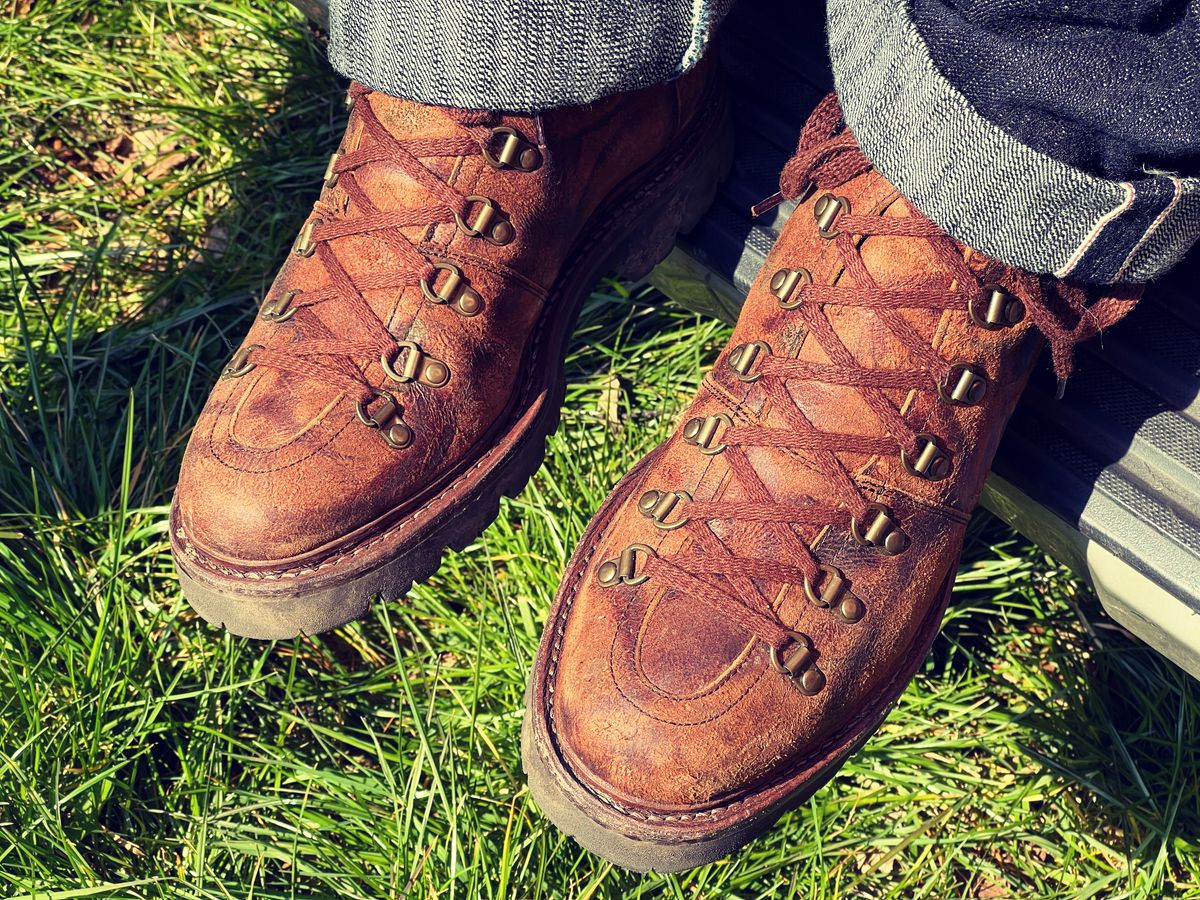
(1106, 480)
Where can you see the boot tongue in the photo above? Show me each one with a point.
(282, 404)
(869, 340)
(392, 189)
(387, 185)
(406, 120)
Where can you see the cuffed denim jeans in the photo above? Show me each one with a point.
(518, 55)
(1061, 138)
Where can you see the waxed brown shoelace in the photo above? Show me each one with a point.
(826, 157)
(320, 353)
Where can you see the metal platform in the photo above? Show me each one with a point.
(1106, 480)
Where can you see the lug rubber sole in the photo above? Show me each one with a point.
(644, 854)
(629, 237)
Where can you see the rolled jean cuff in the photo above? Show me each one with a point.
(517, 55)
(983, 186)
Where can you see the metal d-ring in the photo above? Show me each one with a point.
(386, 419)
(701, 431)
(416, 365)
(515, 152)
(931, 462)
(240, 364)
(490, 224)
(881, 532)
(455, 291)
(964, 385)
(658, 505)
(799, 664)
(623, 569)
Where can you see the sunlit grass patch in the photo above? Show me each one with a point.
(1040, 752)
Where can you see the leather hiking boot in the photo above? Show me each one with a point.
(756, 592)
(406, 364)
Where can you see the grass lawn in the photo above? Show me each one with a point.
(158, 157)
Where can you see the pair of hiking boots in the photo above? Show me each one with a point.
(756, 592)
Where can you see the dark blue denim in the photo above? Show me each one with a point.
(1059, 137)
(1111, 87)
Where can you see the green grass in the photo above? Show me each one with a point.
(158, 157)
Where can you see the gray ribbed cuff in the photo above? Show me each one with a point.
(517, 55)
(979, 183)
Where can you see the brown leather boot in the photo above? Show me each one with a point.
(405, 367)
(753, 596)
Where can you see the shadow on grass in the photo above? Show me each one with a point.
(77, 378)
(99, 393)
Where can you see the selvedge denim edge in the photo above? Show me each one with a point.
(979, 183)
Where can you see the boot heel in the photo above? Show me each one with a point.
(682, 198)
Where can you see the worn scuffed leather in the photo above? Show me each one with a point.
(279, 469)
(660, 706)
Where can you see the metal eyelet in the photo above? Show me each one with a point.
(515, 152)
(331, 177)
(304, 245)
(701, 431)
(800, 664)
(995, 308)
(932, 462)
(835, 589)
(964, 385)
(623, 569)
(489, 225)
(831, 587)
(416, 366)
(658, 505)
(455, 291)
(279, 309)
(826, 211)
(386, 419)
(743, 358)
(785, 282)
(881, 532)
(240, 364)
